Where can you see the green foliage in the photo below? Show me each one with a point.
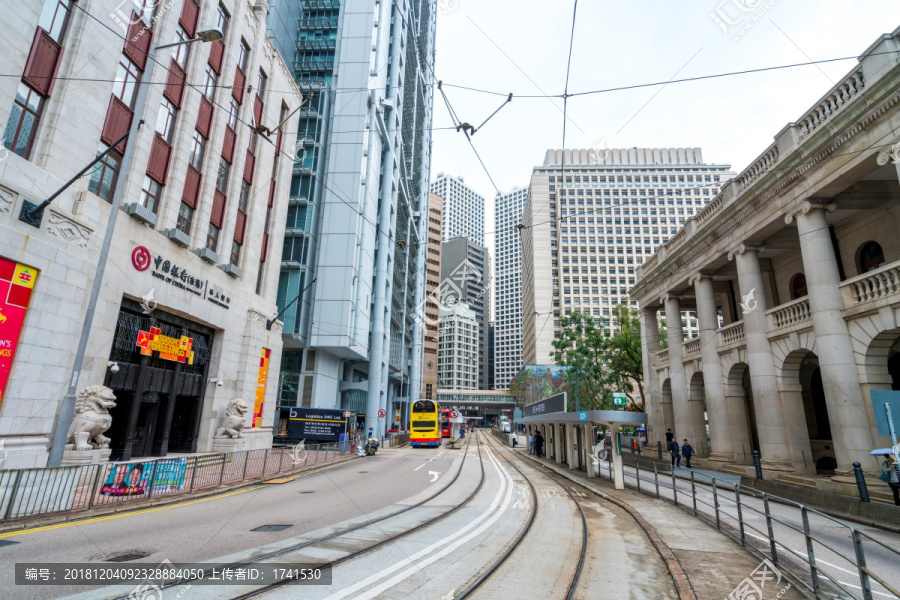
(623, 355)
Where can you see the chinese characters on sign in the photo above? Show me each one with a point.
(261, 386)
(169, 348)
(16, 284)
(169, 272)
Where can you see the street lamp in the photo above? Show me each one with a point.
(33, 215)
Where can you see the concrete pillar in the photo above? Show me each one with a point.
(774, 448)
(713, 382)
(557, 443)
(847, 410)
(570, 447)
(684, 423)
(616, 457)
(652, 397)
(589, 459)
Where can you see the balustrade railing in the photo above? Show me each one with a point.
(789, 314)
(691, 348)
(731, 334)
(873, 285)
(662, 357)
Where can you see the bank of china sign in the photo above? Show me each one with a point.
(169, 272)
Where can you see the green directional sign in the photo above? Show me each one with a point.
(620, 399)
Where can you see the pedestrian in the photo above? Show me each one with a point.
(515, 440)
(889, 473)
(530, 443)
(669, 437)
(539, 444)
(687, 451)
(673, 452)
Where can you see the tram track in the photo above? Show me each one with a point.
(495, 567)
(336, 534)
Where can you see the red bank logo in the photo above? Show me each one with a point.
(141, 258)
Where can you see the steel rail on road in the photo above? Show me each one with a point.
(330, 536)
(570, 594)
(800, 561)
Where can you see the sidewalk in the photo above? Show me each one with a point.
(704, 562)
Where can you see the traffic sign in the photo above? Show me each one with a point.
(454, 414)
(620, 399)
(582, 415)
(381, 413)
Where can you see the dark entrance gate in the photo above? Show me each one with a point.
(158, 400)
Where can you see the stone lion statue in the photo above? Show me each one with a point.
(233, 425)
(91, 418)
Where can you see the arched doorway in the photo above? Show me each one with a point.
(870, 257)
(668, 411)
(739, 396)
(816, 411)
(697, 402)
(798, 286)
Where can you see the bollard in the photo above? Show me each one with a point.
(757, 464)
(659, 449)
(861, 483)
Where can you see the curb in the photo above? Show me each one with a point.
(679, 577)
(47, 520)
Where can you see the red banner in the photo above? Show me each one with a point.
(261, 387)
(16, 284)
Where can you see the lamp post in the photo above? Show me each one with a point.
(67, 409)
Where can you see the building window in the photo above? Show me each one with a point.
(165, 121)
(198, 149)
(150, 194)
(54, 18)
(243, 56)
(871, 257)
(105, 174)
(212, 237)
(235, 253)
(185, 218)
(125, 84)
(181, 52)
(23, 121)
(798, 286)
(222, 20)
(261, 84)
(244, 198)
(209, 83)
(233, 110)
(222, 177)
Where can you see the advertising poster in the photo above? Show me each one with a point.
(261, 387)
(127, 479)
(169, 475)
(16, 284)
(319, 424)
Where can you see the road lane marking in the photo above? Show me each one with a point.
(436, 475)
(429, 553)
(419, 467)
(125, 514)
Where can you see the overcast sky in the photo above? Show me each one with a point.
(521, 46)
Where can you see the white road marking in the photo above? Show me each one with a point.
(434, 457)
(429, 555)
(436, 475)
(419, 467)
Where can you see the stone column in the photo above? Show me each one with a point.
(713, 382)
(847, 410)
(557, 443)
(684, 424)
(774, 447)
(589, 459)
(652, 396)
(571, 459)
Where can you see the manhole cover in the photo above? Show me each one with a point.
(272, 528)
(128, 556)
(7, 543)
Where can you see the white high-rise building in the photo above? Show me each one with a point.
(590, 218)
(458, 351)
(508, 286)
(463, 209)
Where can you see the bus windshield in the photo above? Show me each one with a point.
(424, 406)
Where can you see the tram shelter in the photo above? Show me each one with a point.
(569, 436)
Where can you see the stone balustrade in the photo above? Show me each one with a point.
(691, 348)
(836, 99)
(871, 286)
(792, 313)
(710, 210)
(762, 165)
(662, 357)
(731, 334)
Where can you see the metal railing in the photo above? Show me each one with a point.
(43, 491)
(833, 557)
(394, 440)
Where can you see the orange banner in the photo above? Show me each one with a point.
(261, 387)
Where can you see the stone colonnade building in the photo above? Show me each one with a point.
(799, 257)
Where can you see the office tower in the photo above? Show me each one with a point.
(590, 218)
(463, 209)
(431, 308)
(458, 355)
(508, 286)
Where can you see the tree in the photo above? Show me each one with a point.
(580, 348)
(623, 354)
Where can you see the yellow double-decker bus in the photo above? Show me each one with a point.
(425, 428)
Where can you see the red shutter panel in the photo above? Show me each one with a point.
(240, 222)
(158, 168)
(118, 122)
(257, 110)
(218, 209)
(228, 145)
(265, 248)
(190, 13)
(137, 41)
(272, 193)
(238, 90)
(174, 90)
(43, 63)
(191, 187)
(204, 118)
(248, 167)
(216, 52)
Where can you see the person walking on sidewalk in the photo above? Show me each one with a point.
(515, 440)
(670, 437)
(687, 452)
(539, 445)
(673, 451)
(890, 469)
